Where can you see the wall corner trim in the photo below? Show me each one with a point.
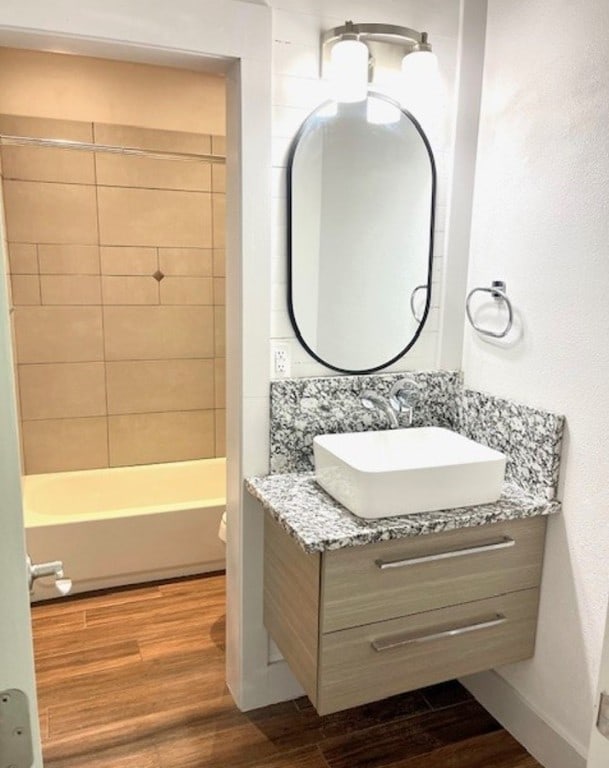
(470, 68)
(551, 748)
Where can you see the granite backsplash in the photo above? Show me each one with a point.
(304, 408)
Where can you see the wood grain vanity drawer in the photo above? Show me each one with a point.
(361, 585)
(385, 658)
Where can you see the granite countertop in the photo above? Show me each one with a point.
(319, 523)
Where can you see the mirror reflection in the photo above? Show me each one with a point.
(361, 187)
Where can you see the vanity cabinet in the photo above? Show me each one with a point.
(361, 623)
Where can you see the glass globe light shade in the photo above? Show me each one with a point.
(349, 63)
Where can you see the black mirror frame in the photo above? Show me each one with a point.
(291, 155)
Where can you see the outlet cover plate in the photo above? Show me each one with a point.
(280, 360)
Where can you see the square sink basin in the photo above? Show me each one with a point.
(406, 471)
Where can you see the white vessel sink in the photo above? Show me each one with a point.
(405, 471)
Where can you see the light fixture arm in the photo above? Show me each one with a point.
(423, 44)
(387, 33)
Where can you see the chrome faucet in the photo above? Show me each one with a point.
(404, 396)
(401, 400)
(373, 401)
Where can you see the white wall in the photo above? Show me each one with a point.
(541, 222)
(297, 90)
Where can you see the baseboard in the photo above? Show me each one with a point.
(269, 685)
(549, 747)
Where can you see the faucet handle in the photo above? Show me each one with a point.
(404, 396)
(404, 393)
(372, 401)
(369, 399)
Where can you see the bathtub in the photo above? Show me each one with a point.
(113, 527)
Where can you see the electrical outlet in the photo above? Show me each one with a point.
(281, 360)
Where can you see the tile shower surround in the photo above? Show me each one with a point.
(117, 279)
(303, 408)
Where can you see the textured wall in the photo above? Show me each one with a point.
(540, 222)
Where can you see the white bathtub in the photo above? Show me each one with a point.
(126, 525)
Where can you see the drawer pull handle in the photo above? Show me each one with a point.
(407, 638)
(503, 543)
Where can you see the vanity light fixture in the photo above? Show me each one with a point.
(356, 55)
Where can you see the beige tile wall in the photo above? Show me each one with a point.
(114, 366)
(55, 85)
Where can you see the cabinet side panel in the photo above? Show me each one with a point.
(291, 603)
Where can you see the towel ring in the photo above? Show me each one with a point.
(412, 298)
(497, 291)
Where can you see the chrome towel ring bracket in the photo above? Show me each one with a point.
(412, 301)
(498, 292)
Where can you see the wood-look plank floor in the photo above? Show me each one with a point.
(134, 678)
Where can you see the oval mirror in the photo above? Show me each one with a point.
(361, 192)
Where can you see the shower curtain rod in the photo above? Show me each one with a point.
(6, 140)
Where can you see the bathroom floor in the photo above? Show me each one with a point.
(135, 679)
